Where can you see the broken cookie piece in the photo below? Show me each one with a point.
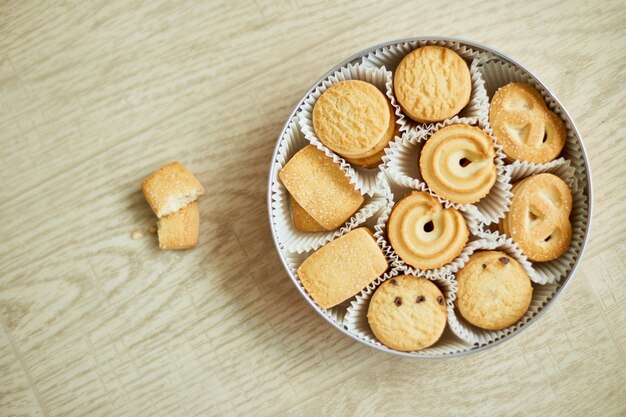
(170, 188)
(180, 230)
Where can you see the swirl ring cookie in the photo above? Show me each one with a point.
(538, 220)
(432, 83)
(493, 290)
(423, 233)
(407, 313)
(457, 163)
(524, 126)
(352, 118)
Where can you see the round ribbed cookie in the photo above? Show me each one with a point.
(407, 313)
(538, 220)
(375, 159)
(423, 233)
(524, 126)
(457, 162)
(352, 118)
(432, 83)
(493, 290)
(368, 162)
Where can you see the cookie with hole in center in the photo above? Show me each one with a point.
(407, 313)
(423, 233)
(432, 84)
(493, 290)
(538, 220)
(457, 163)
(524, 125)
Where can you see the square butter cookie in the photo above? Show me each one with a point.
(320, 187)
(342, 268)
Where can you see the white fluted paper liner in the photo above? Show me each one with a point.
(355, 321)
(290, 238)
(542, 294)
(365, 180)
(390, 56)
(556, 270)
(294, 260)
(560, 167)
(397, 191)
(379, 230)
(402, 163)
(497, 73)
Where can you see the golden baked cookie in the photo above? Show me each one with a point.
(457, 163)
(423, 233)
(180, 230)
(538, 220)
(524, 126)
(407, 313)
(171, 188)
(494, 290)
(368, 162)
(378, 151)
(432, 84)
(320, 187)
(342, 267)
(352, 118)
(303, 220)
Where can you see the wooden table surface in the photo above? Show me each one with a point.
(96, 95)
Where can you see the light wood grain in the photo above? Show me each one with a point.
(96, 95)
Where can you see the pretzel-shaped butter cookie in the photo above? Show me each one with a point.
(524, 126)
(538, 220)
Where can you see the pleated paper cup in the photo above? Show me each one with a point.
(367, 181)
(402, 163)
(398, 191)
(390, 56)
(542, 294)
(293, 261)
(554, 271)
(292, 239)
(355, 321)
(560, 167)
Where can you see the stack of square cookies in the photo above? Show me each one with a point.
(172, 192)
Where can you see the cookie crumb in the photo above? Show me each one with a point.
(136, 235)
(398, 301)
